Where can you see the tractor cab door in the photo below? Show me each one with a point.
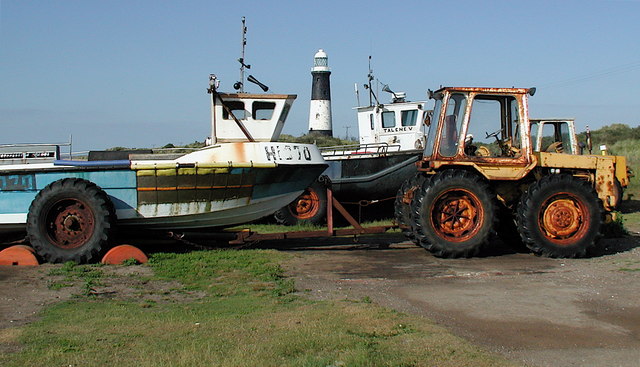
(494, 138)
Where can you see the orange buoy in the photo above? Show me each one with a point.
(121, 253)
(18, 255)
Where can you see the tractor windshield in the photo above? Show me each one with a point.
(433, 127)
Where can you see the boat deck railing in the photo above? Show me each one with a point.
(30, 152)
(359, 149)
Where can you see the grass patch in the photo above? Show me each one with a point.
(249, 317)
(632, 221)
(630, 269)
(630, 266)
(276, 228)
(616, 227)
(71, 273)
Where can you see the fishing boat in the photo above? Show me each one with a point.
(70, 209)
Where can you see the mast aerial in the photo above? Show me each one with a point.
(239, 85)
(368, 86)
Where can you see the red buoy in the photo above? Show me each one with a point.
(18, 255)
(121, 253)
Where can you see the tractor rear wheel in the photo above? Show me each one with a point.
(70, 220)
(454, 214)
(560, 216)
(402, 205)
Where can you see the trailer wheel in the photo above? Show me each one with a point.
(402, 204)
(70, 220)
(454, 214)
(560, 216)
(309, 207)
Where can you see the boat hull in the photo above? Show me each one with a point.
(371, 177)
(223, 185)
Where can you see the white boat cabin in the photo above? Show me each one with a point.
(399, 124)
(241, 117)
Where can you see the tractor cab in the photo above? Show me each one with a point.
(481, 127)
(554, 135)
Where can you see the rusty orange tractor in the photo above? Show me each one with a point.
(480, 174)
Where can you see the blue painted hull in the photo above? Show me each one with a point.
(167, 194)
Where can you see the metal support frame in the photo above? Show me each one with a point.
(247, 235)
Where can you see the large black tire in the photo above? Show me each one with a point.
(70, 220)
(618, 192)
(402, 204)
(310, 207)
(454, 214)
(560, 216)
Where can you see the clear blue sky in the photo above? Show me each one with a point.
(134, 73)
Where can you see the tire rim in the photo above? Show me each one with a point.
(69, 223)
(457, 215)
(306, 206)
(564, 219)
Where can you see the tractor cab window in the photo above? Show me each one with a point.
(534, 126)
(449, 136)
(236, 108)
(556, 138)
(431, 120)
(409, 117)
(493, 127)
(565, 134)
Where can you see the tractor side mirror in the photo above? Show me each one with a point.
(427, 118)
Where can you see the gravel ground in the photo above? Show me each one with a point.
(538, 311)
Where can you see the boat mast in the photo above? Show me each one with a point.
(369, 79)
(372, 95)
(239, 85)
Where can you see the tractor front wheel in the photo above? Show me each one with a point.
(560, 216)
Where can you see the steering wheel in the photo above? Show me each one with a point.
(493, 135)
(505, 147)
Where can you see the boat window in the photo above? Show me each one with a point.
(371, 121)
(263, 110)
(388, 119)
(237, 108)
(409, 117)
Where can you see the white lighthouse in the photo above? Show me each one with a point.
(320, 109)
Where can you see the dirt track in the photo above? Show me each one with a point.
(540, 311)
